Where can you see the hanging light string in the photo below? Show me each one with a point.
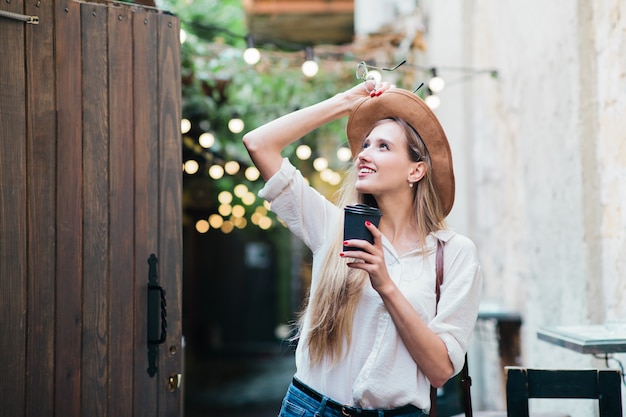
(256, 48)
(364, 71)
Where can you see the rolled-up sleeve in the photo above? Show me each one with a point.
(307, 213)
(458, 306)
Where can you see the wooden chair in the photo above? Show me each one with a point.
(603, 385)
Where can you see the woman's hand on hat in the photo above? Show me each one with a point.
(365, 89)
(376, 89)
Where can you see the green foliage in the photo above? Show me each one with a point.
(217, 84)
(213, 19)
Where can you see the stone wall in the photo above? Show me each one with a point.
(540, 158)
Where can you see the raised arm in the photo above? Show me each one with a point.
(265, 143)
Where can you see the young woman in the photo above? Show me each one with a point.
(372, 338)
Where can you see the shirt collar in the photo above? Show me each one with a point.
(444, 234)
(431, 242)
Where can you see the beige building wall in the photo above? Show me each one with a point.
(540, 157)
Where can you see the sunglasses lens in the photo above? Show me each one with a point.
(361, 71)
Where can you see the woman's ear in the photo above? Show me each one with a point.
(417, 172)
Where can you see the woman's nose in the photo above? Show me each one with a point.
(363, 154)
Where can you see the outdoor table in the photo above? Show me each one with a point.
(600, 340)
(594, 338)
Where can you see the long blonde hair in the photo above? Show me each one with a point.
(332, 308)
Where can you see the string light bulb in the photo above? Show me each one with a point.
(216, 221)
(240, 190)
(432, 100)
(235, 124)
(202, 226)
(225, 197)
(216, 172)
(320, 164)
(238, 210)
(191, 167)
(231, 167)
(252, 173)
(436, 83)
(309, 67)
(185, 126)
(303, 152)
(206, 140)
(344, 154)
(227, 227)
(251, 55)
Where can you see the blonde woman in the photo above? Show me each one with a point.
(372, 338)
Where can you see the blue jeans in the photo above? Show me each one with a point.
(298, 403)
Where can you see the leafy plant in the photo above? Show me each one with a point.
(218, 84)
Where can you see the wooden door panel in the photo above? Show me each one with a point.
(96, 272)
(13, 200)
(121, 225)
(146, 213)
(90, 187)
(41, 174)
(170, 197)
(69, 214)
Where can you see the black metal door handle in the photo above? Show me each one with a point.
(157, 315)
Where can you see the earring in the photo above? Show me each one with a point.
(410, 184)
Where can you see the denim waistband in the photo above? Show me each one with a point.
(304, 396)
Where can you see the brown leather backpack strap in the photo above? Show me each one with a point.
(465, 378)
(439, 272)
(438, 282)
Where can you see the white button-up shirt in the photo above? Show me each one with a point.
(377, 371)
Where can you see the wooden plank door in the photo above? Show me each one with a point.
(13, 206)
(90, 190)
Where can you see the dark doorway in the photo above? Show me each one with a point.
(237, 300)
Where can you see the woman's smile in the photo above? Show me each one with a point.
(365, 171)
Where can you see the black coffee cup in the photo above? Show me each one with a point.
(355, 217)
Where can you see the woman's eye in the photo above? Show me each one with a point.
(381, 145)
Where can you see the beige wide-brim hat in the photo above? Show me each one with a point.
(407, 106)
